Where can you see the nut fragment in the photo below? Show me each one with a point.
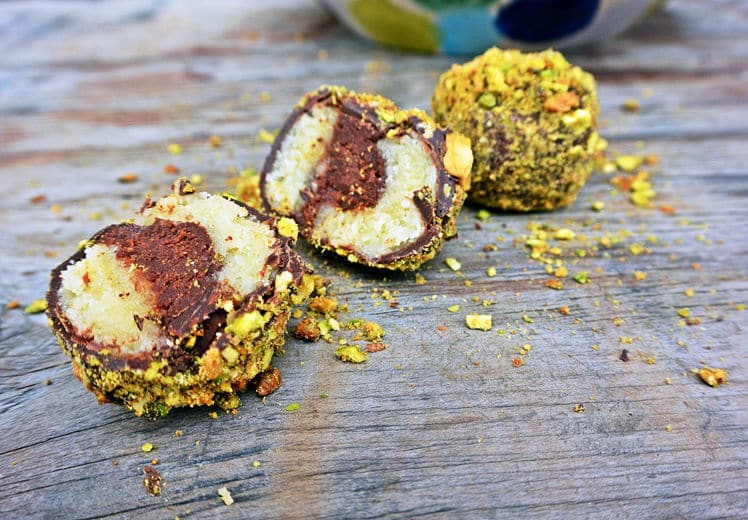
(268, 381)
(350, 354)
(561, 102)
(307, 329)
(375, 347)
(152, 481)
(458, 159)
(225, 495)
(713, 376)
(373, 331)
(323, 304)
(478, 321)
(288, 228)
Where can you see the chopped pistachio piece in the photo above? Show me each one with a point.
(581, 277)
(564, 234)
(713, 376)
(288, 228)
(478, 321)
(225, 495)
(351, 354)
(37, 306)
(453, 263)
(628, 163)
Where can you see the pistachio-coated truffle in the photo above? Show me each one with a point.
(182, 306)
(531, 118)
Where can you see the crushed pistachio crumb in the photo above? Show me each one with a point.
(293, 407)
(146, 447)
(256, 464)
(127, 178)
(628, 163)
(713, 376)
(478, 321)
(351, 354)
(152, 480)
(37, 306)
(453, 263)
(372, 330)
(564, 234)
(581, 277)
(288, 228)
(630, 105)
(265, 136)
(491, 272)
(685, 312)
(323, 304)
(225, 495)
(453, 308)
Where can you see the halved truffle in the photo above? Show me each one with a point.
(376, 184)
(182, 306)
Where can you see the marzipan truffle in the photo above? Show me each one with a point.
(532, 121)
(376, 184)
(182, 306)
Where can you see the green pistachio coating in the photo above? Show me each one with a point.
(531, 118)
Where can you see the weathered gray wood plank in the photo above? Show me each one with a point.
(440, 424)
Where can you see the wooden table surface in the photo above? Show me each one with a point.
(441, 424)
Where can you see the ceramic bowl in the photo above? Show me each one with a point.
(472, 26)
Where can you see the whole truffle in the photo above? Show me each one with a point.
(182, 306)
(531, 119)
(373, 183)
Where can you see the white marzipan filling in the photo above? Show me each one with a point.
(301, 150)
(396, 220)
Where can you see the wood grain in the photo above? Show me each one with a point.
(440, 424)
